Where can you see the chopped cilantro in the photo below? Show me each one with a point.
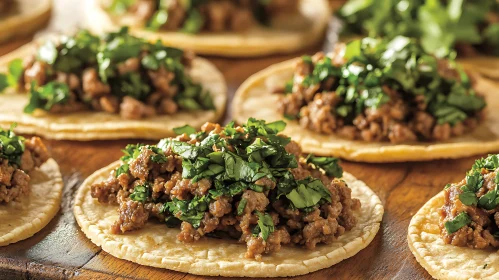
(11, 146)
(458, 222)
(330, 165)
(265, 225)
(241, 206)
(187, 129)
(45, 97)
(191, 211)
(141, 193)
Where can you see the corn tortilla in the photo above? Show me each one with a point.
(445, 261)
(29, 16)
(91, 125)
(21, 220)
(257, 41)
(254, 99)
(156, 245)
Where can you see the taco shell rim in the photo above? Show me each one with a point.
(156, 245)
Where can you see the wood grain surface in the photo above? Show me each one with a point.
(62, 251)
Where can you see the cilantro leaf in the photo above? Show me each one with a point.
(187, 129)
(330, 165)
(265, 225)
(141, 193)
(458, 222)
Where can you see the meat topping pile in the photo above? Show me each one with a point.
(242, 182)
(470, 214)
(117, 74)
(203, 15)
(18, 157)
(382, 90)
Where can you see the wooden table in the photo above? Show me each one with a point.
(61, 250)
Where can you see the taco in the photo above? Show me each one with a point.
(30, 187)
(455, 235)
(225, 28)
(84, 87)
(22, 17)
(376, 100)
(229, 201)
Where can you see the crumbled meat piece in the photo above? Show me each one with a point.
(132, 216)
(132, 109)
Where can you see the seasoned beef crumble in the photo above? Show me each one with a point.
(154, 182)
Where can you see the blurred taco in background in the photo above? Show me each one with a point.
(84, 87)
(22, 17)
(225, 28)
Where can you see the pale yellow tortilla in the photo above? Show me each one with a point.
(30, 15)
(156, 245)
(254, 99)
(445, 261)
(91, 125)
(256, 42)
(21, 220)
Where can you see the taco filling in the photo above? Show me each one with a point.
(202, 15)
(117, 74)
(18, 157)
(382, 90)
(242, 182)
(470, 214)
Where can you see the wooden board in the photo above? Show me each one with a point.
(61, 250)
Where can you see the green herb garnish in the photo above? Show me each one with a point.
(265, 225)
(458, 222)
(11, 146)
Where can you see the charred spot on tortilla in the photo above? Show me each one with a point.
(202, 15)
(248, 182)
(118, 74)
(380, 90)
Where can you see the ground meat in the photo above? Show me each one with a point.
(132, 215)
(92, 85)
(36, 73)
(188, 233)
(255, 201)
(132, 109)
(140, 166)
(221, 206)
(161, 79)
